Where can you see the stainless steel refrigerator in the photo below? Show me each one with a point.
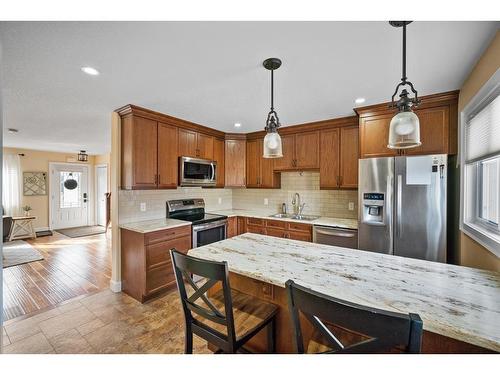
(402, 206)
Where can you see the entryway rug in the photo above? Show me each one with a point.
(82, 231)
(19, 252)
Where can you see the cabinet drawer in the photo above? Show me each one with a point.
(255, 221)
(159, 253)
(276, 232)
(167, 234)
(299, 227)
(300, 236)
(159, 277)
(256, 229)
(276, 224)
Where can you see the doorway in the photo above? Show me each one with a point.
(69, 195)
(101, 175)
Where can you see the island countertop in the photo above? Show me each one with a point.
(457, 302)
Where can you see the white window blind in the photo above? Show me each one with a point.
(482, 132)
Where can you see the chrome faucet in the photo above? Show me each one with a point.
(297, 207)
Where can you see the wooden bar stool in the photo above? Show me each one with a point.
(228, 318)
(342, 327)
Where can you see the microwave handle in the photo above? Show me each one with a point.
(213, 171)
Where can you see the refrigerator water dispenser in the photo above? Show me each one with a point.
(373, 208)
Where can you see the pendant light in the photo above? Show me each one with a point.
(272, 140)
(404, 130)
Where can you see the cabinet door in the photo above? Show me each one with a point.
(167, 156)
(256, 229)
(287, 162)
(276, 232)
(235, 165)
(300, 236)
(329, 159)
(219, 158)
(242, 225)
(187, 143)
(232, 226)
(374, 135)
(349, 141)
(205, 146)
(434, 125)
(145, 152)
(253, 163)
(307, 150)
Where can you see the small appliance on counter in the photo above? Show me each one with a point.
(206, 228)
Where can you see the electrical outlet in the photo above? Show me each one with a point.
(220, 200)
(143, 207)
(266, 201)
(351, 206)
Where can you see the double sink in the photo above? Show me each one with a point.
(295, 217)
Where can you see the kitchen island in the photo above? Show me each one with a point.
(459, 306)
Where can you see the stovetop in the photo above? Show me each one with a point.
(192, 210)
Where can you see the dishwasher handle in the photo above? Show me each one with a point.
(338, 233)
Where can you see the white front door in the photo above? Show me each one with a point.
(69, 207)
(102, 189)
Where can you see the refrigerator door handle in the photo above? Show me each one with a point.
(399, 190)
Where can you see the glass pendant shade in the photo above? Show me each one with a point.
(404, 130)
(272, 146)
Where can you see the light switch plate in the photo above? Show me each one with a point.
(351, 206)
(143, 207)
(266, 201)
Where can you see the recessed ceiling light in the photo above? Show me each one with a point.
(90, 71)
(12, 130)
(360, 100)
(237, 125)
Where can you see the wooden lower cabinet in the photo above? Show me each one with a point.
(279, 228)
(232, 227)
(146, 264)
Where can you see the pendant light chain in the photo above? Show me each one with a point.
(404, 54)
(272, 90)
(272, 147)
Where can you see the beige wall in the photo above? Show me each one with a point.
(473, 254)
(38, 161)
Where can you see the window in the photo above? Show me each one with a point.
(480, 160)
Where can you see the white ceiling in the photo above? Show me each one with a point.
(211, 72)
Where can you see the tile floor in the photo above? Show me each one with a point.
(104, 322)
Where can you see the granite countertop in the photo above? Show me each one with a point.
(148, 226)
(458, 302)
(326, 221)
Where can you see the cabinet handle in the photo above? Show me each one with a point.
(158, 182)
(340, 180)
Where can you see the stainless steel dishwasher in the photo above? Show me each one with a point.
(335, 236)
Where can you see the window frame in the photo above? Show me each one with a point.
(471, 223)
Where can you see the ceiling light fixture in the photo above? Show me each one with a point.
(82, 156)
(404, 130)
(12, 130)
(272, 140)
(237, 125)
(90, 71)
(360, 100)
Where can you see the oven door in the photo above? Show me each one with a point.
(197, 172)
(205, 234)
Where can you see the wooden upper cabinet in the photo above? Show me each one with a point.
(205, 146)
(434, 123)
(218, 156)
(374, 133)
(329, 175)
(349, 155)
(187, 143)
(253, 163)
(235, 166)
(139, 153)
(307, 150)
(167, 156)
(288, 147)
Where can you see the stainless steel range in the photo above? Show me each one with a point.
(206, 228)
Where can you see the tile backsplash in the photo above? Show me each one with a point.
(332, 203)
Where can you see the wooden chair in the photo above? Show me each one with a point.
(228, 318)
(363, 329)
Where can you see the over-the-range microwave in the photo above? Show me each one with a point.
(197, 172)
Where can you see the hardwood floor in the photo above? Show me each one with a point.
(71, 267)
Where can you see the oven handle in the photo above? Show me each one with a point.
(214, 224)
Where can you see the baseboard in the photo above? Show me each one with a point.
(42, 229)
(115, 286)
